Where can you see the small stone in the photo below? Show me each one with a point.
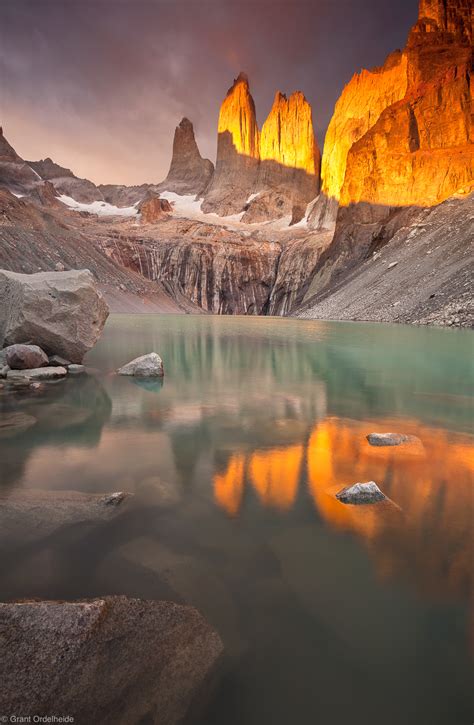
(361, 493)
(392, 265)
(146, 366)
(59, 267)
(76, 369)
(3, 371)
(48, 373)
(25, 357)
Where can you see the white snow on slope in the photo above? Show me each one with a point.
(101, 208)
(187, 207)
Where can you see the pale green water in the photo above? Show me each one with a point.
(330, 614)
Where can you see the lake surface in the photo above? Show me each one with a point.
(330, 614)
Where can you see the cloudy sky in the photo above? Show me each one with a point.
(99, 85)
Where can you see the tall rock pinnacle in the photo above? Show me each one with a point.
(237, 151)
(287, 135)
(238, 122)
(189, 173)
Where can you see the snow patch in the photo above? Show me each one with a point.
(188, 207)
(101, 208)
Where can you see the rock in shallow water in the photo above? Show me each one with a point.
(361, 493)
(390, 439)
(146, 366)
(109, 660)
(25, 357)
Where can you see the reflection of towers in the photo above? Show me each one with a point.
(427, 536)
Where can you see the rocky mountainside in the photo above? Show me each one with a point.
(395, 207)
(189, 173)
(15, 173)
(65, 182)
(422, 274)
(36, 238)
(416, 153)
(268, 174)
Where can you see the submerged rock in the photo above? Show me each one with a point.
(109, 660)
(30, 515)
(25, 357)
(48, 373)
(12, 424)
(361, 493)
(390, 439)
(146, 366)
(63, 312)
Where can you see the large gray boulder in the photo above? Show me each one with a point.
(62, 312)
(109, 660)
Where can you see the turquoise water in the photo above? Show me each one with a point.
(329, 613)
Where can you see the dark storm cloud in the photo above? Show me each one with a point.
(99, 85)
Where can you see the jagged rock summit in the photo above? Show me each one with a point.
(189, 173)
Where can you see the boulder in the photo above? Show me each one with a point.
(108, 660)
(25, 357)
(361, 493)
(390, 439)
(146, 366)
(62, 312)
(153, 208)
(47, 373)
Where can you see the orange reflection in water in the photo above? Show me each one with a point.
(229, 486)
(275, 475)
(426, 526)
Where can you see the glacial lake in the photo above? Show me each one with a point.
(330, 614)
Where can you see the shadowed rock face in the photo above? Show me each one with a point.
(189, 173)
(15, 173)
(109, 660)
(65, 182)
